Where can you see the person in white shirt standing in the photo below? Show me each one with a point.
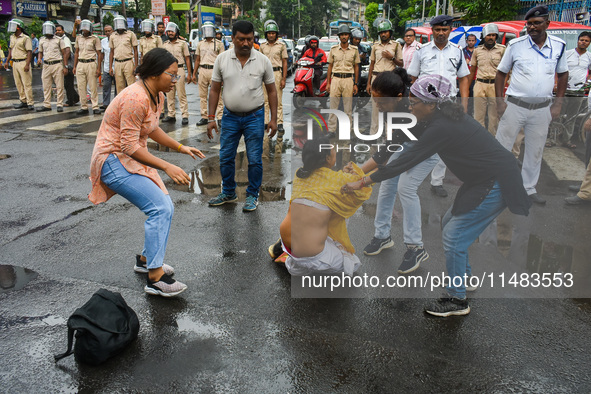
(108, 80)
(534, 60)
(410, 47)
(579, 64)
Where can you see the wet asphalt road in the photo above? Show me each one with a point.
(237, 328)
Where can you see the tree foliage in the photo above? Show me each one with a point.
(312, 18)
(371, 13)
(253, 18)
(482, 11)
(36, 26)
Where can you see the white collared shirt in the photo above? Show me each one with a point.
(533, 69)
(578, 68)
(243, 86)
(106, 52)
(448, 62)
(408, 51)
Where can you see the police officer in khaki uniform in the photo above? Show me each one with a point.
(484, 62)
(21, 52)
(52, 50)
(385, 56)
(205, 55)
(149, 41)
(87, 58)
(180, 50)
(276, 51)
(123, 56)
(343, 66)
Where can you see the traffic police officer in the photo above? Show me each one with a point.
(180, 50)
(149, 41)
(52, 50)
(343, 67)
(484, 63)
(385, 56)
(205, 55)
(123, 44)
(276, 51)
(534, 60)
(444, 58)
(87, 58)
(21, 52)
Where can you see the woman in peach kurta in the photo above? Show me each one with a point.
(121, 163)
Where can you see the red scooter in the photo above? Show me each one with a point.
(303, 83)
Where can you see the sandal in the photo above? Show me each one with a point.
(570, 145)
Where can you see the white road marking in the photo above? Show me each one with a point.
(63, 124)
(564, 164)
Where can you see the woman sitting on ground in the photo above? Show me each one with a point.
(121, 163)
(314, 233)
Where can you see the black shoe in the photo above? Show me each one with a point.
(537, 199)
(20, 106)
(280, 127)
(439, 191)
(448, 306)
(161, 115)
(376, 245)
(412, 259)
(202, 122)
(43, 109)
(574, 188)
(169, 119)
(60, 109)
(185, 121)
(82, 112)
(576, 200)
(275, 250)
(142, 267)
(96, 111)
(32, 108)
(103, 107)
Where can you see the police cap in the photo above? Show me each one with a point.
(442, 20)
(538, 11)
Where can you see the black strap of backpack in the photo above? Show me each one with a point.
(70, 343)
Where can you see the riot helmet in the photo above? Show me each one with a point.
(119, 23)
(343, 29)
(13, 24)
(271, 26)
(147, 26)
(208, 30)
(48, 28)
(86, 25)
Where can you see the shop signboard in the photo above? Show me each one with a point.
(69, 3)
(158, 7)
(5, 7)
(31, 8)
(208, 17)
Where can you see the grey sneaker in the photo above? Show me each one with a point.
(222, 198)
(448, 306)
(250, 204)
(376, 245)
(165, 287)
(142, 267)
(412, 259)
(439, 191)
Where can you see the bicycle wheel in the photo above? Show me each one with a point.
(556, 132)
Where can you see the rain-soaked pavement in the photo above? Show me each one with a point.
(238, 328)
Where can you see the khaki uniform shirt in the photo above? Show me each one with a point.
(208, 51)
(122, 45)
(147, 44)
(87, 47)
(343, 60)
(275, 52)
(381, 63)
(51, 48)
(179, 50)
(487, 60)
(20, 46)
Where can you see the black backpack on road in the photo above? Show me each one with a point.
(104, 326)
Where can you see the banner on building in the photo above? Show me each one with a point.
(5, 7)
(208, 17)
(158, 7)
(31, 8)
(69, 3)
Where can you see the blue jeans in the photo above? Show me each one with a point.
(150, 199)
(108, 82)
(253, 129)
(406, 185)
(460, 231)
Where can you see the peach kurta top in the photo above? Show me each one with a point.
(125, 128)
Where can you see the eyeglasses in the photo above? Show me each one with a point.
(174, 77)
(534, 23)
(409, 35)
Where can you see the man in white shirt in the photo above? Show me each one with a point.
(108, 80)
(579, 64)
(409, 48)
(533, 60)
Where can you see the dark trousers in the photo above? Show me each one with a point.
(108, 84)
(72, 97)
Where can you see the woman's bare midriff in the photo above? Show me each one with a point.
(305, 229)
